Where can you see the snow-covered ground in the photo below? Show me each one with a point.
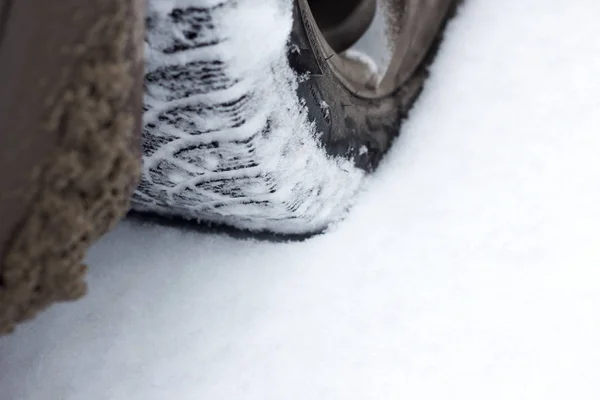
(469, 268)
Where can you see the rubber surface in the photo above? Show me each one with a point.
(226, 138)
(246, 124)
(354, 127)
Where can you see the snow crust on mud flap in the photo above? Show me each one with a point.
(226, 138)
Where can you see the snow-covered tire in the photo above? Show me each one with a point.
(252, 121)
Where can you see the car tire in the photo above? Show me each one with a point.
(252, 120)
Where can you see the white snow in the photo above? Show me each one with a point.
(363, 58)
(468, 269)
(265, 137)
(325, 107)
(375, 43)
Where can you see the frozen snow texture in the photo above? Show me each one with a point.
(376, 42)
(225, 137)
(363, 58)
(467, 271)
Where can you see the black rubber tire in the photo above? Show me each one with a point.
(352, 121)
(215, 101)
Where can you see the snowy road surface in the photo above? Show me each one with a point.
(468, 269)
